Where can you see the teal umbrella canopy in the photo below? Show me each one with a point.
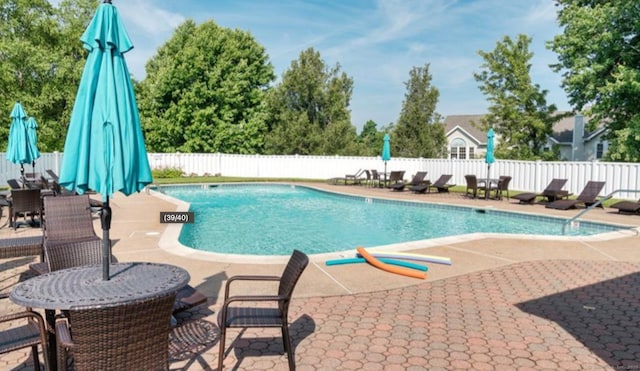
(386, 148)
(489, 157)
(104, 150)
(17, 151)
(32, 139)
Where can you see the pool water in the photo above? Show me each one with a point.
(259, 219)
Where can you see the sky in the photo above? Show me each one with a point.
(375, 42)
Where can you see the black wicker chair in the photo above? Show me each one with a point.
(134, 336)
(276, 315)
(27, 330)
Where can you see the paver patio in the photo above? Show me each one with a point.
(506, 303)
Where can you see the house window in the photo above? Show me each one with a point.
(458, 149)
(599, 150)
(471, 154)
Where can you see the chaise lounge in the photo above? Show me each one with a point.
(441, 184)
(552, 192)
(627, 207)
(587, 197)
(417, 180)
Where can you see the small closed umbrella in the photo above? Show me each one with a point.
(489, 157)
(386, 154)
(32, 141)
(104, 150)
(17, 151)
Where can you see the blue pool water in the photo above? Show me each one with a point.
(261, 219)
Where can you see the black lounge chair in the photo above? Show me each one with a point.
(441, 184)
(587, 197)
(395, 177)
(627, 207)
(552, 192)
(417, 180)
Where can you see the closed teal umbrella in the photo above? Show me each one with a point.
(489, 158)
(32, 141)
(17, 151)
(104, 150)
(386, 154)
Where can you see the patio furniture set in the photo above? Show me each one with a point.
(119, 323)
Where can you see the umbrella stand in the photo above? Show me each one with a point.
(105, 220)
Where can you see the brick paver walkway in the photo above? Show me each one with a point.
(540, 315)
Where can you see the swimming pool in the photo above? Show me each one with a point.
(272, 219)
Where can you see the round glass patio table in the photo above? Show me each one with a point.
(84, 288)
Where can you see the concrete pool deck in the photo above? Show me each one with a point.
(505, 303)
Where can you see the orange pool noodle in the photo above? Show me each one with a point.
(389, 268)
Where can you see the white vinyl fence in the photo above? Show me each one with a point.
(527, 175)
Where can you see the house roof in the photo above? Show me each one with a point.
(562, 130)
(465, 123)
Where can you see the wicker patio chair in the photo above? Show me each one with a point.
(26, 329)
(70, 241)
(472, 186)
(25, 203)
(275, 315)
(133, 336)
(501, 187)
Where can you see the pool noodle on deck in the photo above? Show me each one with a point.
(384, 260)
(410, 256)
(390, 268)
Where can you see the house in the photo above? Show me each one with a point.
(467, 141)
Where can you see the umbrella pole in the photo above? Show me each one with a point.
(105, 220)
(22, 175)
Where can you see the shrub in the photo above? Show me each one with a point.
(167, 172)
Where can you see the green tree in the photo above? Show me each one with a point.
(371, 139)
(599, 57)
(41, 61)
(309, 110)
(419, 131)
(204, 92)
(518, 109)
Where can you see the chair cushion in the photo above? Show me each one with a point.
(252, 317)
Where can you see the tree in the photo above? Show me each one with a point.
(309, 110)
(599, 57)
(371, 139)
(419, 131)
(41, 61)
(519, 112)
(204, 92)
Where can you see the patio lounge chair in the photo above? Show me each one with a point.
(627, 207)
(552, 192)
(354, 178)
(275, 315)
(587, 197)
(14, 184)
(441, 184)
(417, 180)
(395, 177)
